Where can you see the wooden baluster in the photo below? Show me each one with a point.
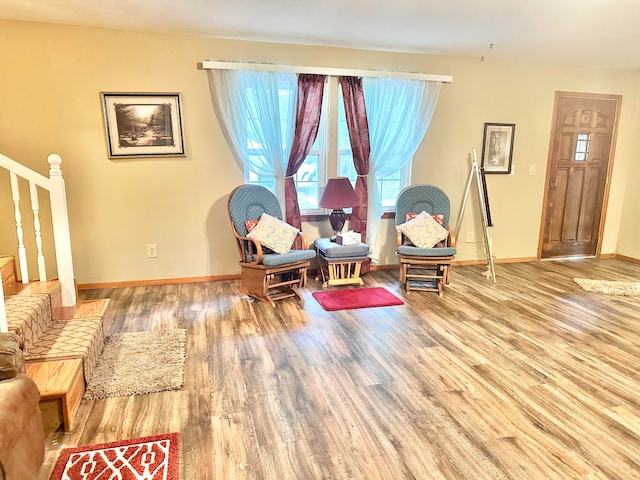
(35, 206)
(22, 252)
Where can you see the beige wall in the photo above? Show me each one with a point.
(629, 233)
(50, 88)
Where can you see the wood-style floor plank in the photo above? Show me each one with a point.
(529, 378)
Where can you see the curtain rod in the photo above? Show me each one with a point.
(212, 65)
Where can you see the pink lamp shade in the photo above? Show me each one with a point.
(338, 194)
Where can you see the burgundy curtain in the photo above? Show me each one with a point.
(308, 109)
(356, 116)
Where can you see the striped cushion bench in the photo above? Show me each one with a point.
(29, 316)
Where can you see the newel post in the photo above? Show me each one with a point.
(61, 235)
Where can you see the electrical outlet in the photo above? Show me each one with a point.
(152, 250)
(469, 236)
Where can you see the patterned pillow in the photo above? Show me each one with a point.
(274, 233)
(423, 231)
(249, 224)
(438, 217)
(410, 216)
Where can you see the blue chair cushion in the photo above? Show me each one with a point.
(275, 259)
(331, 249)
(426, 252)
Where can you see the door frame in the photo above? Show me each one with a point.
(607, 185)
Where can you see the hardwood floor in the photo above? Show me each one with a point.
(531, 378)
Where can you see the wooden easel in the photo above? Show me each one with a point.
(478, 173)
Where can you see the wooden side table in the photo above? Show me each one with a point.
(60, 380)
(340, 264)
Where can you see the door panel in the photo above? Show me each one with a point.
(580, 156)
(589, 204)
(556, 226)
(571, 220)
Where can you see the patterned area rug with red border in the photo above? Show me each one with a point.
(351, 298)
(148, 458)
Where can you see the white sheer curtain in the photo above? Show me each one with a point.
(257, 112)
(398, 114)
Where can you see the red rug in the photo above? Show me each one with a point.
(148, 458)
(351, 298)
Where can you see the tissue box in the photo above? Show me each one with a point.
(348, 238)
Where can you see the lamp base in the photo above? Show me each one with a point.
(337, 219)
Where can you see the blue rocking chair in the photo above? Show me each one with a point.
(265, 275)
(424, 268)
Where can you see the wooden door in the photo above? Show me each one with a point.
(580, 159)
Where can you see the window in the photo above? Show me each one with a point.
(389, 186)
(330, 156)
(252, 177)
(261, 138)
(308, 179)
(311, 174)
(582, 147)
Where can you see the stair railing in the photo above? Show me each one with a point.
(54, 185)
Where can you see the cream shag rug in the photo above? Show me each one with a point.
(139, 363)
(609, 287)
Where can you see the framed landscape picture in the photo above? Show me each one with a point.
(143, 124)
(497, 147)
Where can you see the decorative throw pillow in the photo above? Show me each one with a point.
(249, 224)
(274, 233)
(438, 217)
(410, 216)
(423, 231)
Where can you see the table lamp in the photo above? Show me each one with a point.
(338, 194)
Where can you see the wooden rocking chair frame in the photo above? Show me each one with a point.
(263, 282)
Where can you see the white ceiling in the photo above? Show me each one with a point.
(592, 33)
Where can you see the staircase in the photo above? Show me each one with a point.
(49, 330)
(54, 188)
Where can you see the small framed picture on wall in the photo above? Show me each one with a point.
(497, 147)
(143, 124)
